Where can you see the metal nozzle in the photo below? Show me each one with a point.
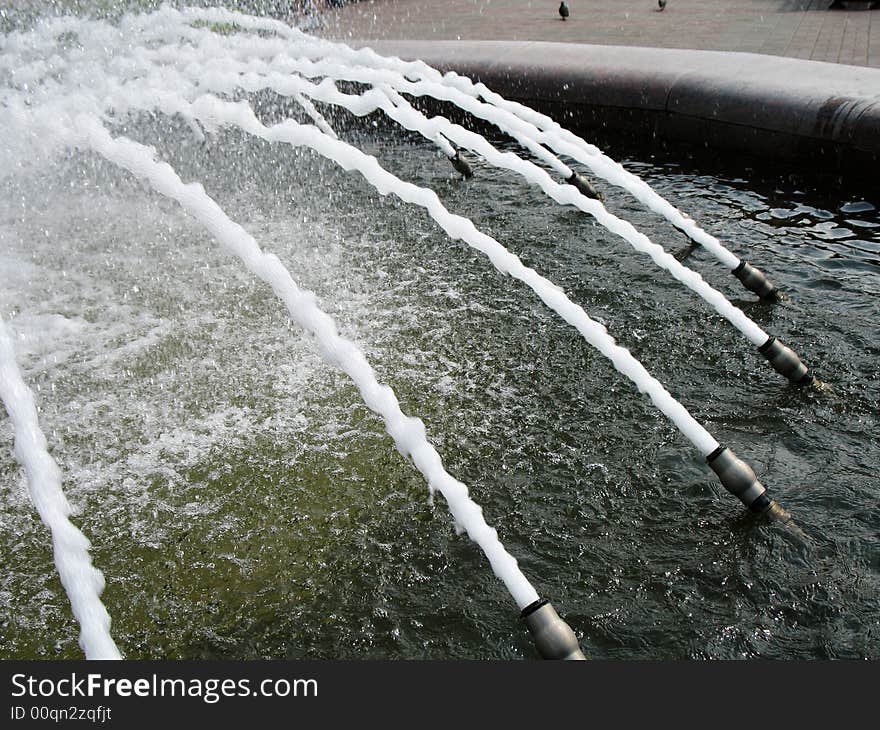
(785, 361)
(754, 280)
(584, 186)
(461, 165)
(739, 479)
(553, 637)
(778, 513)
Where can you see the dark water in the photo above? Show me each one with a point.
(243, 503)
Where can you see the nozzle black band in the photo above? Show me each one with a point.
(532, 607)
(740, 266)
(715, 454)
(767, 345)
(761, 504)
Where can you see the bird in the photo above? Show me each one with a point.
(662, 4)
(563, 10)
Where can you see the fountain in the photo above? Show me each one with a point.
(77, 84)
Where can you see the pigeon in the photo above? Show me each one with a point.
(662, 4)
(563, 10)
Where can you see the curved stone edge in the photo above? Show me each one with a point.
(776, 107)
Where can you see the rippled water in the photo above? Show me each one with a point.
(243, 502)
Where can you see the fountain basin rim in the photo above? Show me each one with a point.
(772, 106)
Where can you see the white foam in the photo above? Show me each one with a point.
(438, 128)
(81, 580)
(408, 433)
(521, 122)
(214, 112)
(58, 98)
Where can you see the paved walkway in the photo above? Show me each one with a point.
(794, 28)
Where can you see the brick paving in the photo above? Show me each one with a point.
(794, 28)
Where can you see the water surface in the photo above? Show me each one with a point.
(244, 503)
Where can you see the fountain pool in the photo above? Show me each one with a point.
(242, 501)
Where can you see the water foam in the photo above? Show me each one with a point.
(81, 580)
(407, 432)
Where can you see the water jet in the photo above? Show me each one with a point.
(92, 106)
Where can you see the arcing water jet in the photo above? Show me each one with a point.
(173, 76)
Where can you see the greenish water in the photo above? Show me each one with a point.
(243, 502)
